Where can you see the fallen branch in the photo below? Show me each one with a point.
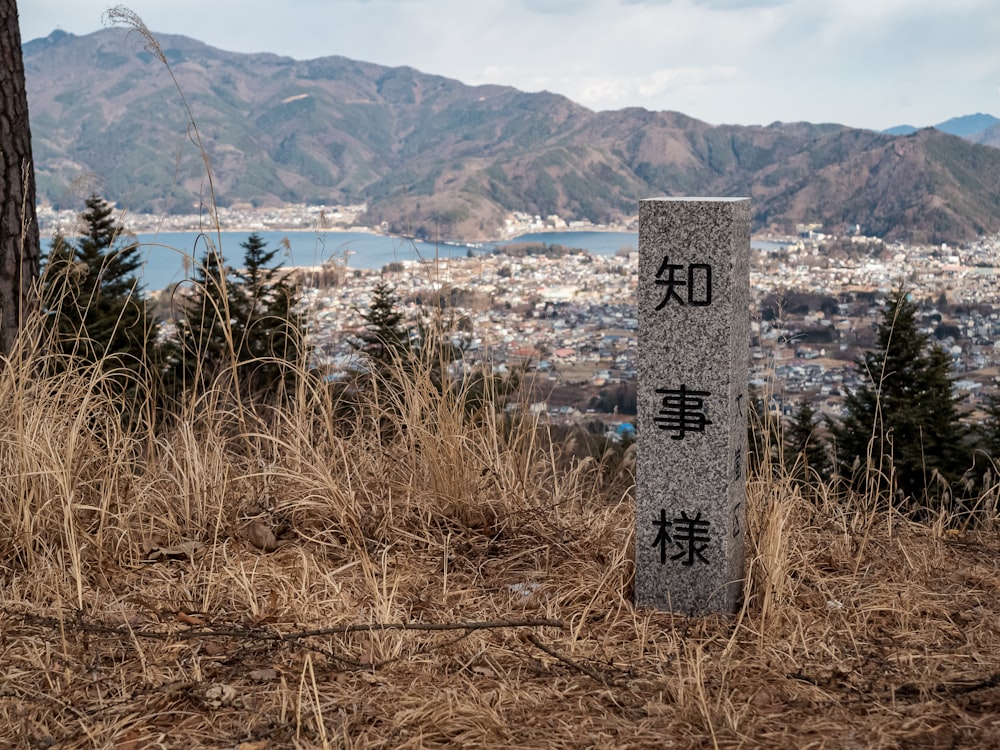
(209, 631)
(474, 625)
(953, 688)
(592, 673)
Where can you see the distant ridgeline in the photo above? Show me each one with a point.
(978, 128)
(434, 158)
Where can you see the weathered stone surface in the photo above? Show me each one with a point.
(694, 325)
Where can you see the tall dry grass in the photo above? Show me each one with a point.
(402, 574)
(239, 515)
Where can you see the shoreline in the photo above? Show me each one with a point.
(156, 228)
(165, 251)
(462, 242)
(317, 220)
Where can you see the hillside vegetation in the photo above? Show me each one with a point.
(415, 577)
(435, 158)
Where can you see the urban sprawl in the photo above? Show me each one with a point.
(817, 302)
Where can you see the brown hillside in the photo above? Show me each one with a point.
(433, 157)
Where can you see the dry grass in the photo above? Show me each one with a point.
(274, 580)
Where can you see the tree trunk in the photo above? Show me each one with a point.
(20, 246)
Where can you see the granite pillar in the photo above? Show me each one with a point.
(694, 328)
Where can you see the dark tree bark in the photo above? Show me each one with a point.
(20, 246)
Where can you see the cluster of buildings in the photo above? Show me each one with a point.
(816, 299)
(572, 317)
(245, 217)
(518, 223)
(817, 306)
(237, 217)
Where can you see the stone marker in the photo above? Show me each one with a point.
(694, 328)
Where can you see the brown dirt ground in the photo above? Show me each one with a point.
(867, 633)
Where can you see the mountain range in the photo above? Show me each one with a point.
(435, 158)
(978, 128)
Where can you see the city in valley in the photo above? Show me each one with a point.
(571, 316)
(817, 303)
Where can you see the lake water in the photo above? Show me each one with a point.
(168, 255)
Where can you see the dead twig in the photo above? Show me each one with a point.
(474, 625)
(592, 673)
(269, 635)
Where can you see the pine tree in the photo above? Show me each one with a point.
(243, 322)
(92, 294)
(386, 340)
(393, 350)
(268, 333)
(904, 422)
(204, 345)
(805, 451)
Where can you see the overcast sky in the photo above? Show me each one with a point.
(865, 63)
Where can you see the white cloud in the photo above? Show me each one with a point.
(604, 93)
(740, 4)
(662, 89)
(561, 7)
(716, 4)
(663, 81)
